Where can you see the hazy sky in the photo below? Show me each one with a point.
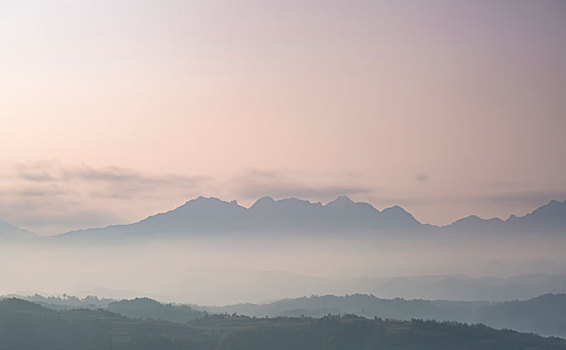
(113, 110)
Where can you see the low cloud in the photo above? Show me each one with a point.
(284, 190)
(46, 214)
(34, 191)
(257, 183)
(68, 220)
(53, 171)
(52, 197)
(524, 197)
(509, 197)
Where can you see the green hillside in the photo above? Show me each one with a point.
(25, 325)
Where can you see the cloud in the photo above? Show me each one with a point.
(36, 176)
(285, 190)
(123, 183)
(113, 174)
(52, 197)
(46, 214)
(523, 197)
(39, 171)
(256, 183)
(110, 182)
(35, 191)
(511, 198)
(68, 220)
(53, 171)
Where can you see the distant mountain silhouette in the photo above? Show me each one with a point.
(9, 231)
(207, 215)
(461, 287)
(548, 218)
(204, 215)
(545, 315)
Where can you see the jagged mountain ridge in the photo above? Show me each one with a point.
(204, 214)
(212, 214)
(547, 218)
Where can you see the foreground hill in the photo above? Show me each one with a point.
(146, 308)
(24, 325)
(142, 308)
(211, 215)
(544, 315)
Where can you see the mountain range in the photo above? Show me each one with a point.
(209, 215)
(548, 218)
(206, 215)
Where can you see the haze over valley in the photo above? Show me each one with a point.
(283, 175)
(292, 248)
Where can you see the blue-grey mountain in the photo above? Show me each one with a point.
(267, 215)
(10, 231)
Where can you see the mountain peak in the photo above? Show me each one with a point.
(341, 200)
(555, 204)
(263, 202)
(475, 221)
(208, 201)
(395, 209)
(398, 214)
(549, 217)
(205, 199)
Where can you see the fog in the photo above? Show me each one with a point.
(229, 269)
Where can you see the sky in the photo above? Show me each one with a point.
(111, 111)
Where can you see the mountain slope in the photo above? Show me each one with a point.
(146, 308)
(544, 315)
(267, 215)
(547, 218)
(9, 231)
(205, 215)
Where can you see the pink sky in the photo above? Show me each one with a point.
(111, 111)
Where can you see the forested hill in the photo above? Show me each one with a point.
(25, 325)
(545, 315)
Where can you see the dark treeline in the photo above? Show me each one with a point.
(545, 315)
(25, 325)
